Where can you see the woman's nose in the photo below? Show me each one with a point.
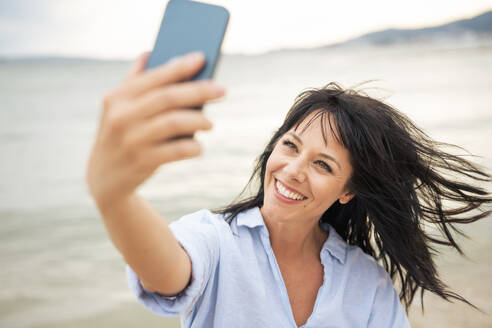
(295, 169)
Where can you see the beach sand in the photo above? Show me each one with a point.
(470, 277)
(125, 315)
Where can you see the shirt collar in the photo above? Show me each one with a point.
(250, 218)
(334, 245)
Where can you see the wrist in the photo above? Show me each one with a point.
(107, 204)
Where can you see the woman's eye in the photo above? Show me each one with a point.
(325, 166)
(289, 144)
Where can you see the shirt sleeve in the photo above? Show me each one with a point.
(198, 236)
(387, 311)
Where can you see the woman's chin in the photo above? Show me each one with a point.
(277, 213)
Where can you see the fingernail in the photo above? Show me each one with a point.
(190, 57)
(194, 56)
(218, 89)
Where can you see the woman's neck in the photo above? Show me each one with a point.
(296, 241)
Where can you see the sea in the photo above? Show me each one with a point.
(58, 266)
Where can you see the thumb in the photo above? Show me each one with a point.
(139, 65)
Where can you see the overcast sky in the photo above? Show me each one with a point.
(122, 29)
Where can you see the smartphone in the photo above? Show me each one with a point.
(189, 26)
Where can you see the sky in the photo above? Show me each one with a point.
(122, 29)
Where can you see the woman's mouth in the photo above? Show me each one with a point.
(286, 193)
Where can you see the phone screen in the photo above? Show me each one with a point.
(189, 26)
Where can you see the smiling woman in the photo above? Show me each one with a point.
(343, 191)
(366, 170)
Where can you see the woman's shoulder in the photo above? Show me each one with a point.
(363, 270)
(357, 264)
(356, 256)
(370, 278)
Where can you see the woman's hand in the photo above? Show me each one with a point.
(139, 120)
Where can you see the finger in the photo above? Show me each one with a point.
(181, 95)
(176, 70)
(139, 65)
(172, 151)
(171, 124)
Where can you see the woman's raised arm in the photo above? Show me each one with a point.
(139, 121)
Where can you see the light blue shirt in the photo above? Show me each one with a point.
(236, 281)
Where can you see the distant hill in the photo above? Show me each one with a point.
(478, 27)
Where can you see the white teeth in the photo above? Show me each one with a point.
(287, 193)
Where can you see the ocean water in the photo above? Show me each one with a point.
(59, 267)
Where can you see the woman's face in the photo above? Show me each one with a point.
(304, 176)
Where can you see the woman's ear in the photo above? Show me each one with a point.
(346, 197)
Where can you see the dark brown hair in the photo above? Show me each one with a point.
(401, 179)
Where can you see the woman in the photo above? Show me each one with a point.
(346, 181)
